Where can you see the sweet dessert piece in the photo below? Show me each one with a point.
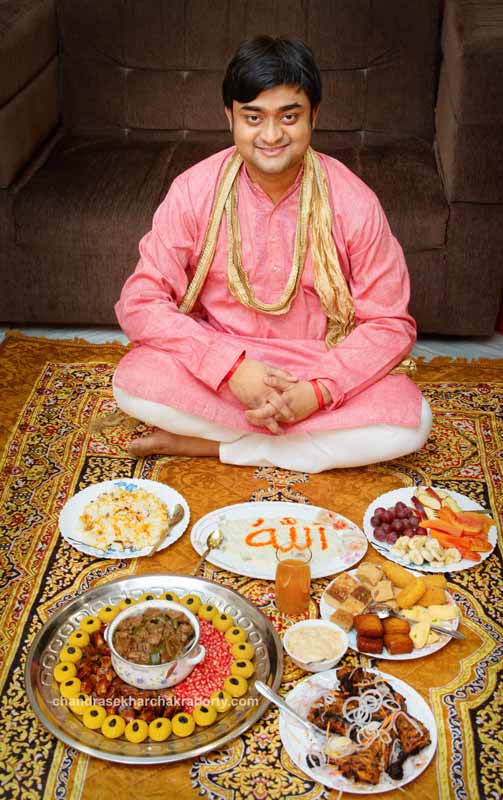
(398, 643)
(362, 594)
(368, 644)
(439, 581)
(383, 591)
(353, 605)
(395, 625)
(369, 573)
(433, 596)
(412, 593)
(335, 595)
(397, 574)
(369, 625)
(342, 618)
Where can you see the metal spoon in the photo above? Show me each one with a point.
(385, 611)
(175, 517)
(268, 693)
(214, 540)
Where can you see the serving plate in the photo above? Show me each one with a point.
(348, 538)
(71, 511)
(44, 696)
(297, 741)
(326, 610)
(404, 495)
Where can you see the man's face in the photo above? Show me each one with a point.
(273, 131)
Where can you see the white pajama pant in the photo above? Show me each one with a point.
(303, 452)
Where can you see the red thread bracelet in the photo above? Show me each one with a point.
(318, 393)
(233, 369)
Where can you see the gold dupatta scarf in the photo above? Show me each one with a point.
(314, 215)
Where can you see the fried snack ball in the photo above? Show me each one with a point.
(90, 624)
(171, 596)
(94, 716)
(243, 668)
(222, 622)
(126, 602)
(71, 653)
(368, 625)
(368, 645)
(136, 731)
(207, 612)
(147, 596)
(70, 687)
(183, 724)
(159, 729)
(79, 639)
(64, 670)
(243, 650)
(395, 625)
(113, 726)
(204, 715)
(191, 601)
(108, 613)
(80, 703)
(236, 685)
(221, 701)
(235, 635)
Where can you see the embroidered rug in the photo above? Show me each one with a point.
(52, 393)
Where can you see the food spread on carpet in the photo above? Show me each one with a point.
(434, 561)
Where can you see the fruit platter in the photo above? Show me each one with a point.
(430, 529)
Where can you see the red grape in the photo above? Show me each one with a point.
(397, 525)
(379, 511)
(388, 516)
(392, 536)
(380, 535)
(375, 520)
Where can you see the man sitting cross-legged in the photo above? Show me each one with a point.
(269, 305)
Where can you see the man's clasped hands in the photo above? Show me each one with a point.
(272, 395)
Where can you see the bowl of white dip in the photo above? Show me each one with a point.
(315, 645)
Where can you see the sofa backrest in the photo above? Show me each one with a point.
(156, 66)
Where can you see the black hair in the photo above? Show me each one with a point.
(263, 62)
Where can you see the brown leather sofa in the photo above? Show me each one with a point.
(103, 103)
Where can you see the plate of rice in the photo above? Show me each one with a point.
(122, 518)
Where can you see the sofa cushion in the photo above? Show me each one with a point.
(100, 196)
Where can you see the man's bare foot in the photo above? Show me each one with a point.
(171, 444)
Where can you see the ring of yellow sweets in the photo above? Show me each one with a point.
(182, 724)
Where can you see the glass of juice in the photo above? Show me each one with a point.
(293, 581)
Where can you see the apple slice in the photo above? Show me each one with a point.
(429, 498)
(451, 503)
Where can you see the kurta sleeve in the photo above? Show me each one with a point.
(385, 332)
(147, 310)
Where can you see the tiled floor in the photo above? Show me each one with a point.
(428, 347)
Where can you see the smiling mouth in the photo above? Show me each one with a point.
(272, 151)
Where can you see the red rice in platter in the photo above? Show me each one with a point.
(209, 675)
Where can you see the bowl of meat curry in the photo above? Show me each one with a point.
(154, 644)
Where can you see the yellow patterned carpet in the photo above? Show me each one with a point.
(51, 393)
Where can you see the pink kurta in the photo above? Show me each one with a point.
(180, 360)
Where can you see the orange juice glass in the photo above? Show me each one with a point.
(293, 581)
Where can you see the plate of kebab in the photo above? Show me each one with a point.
(376, 733)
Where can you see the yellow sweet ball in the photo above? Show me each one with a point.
(183, 724)
(90, 624)
(243, 650)
(70, 687)
(192, 602)
(207, 612)
(93, 717)
(71, 653)
(126, 602)
(221, 701)
(222, 622)
(64, 670)
(147, 596)
(136, 731)
(80, 703)
(204, 715)
(172, 597)
(235, 635)
(113, 726)
(79, 639)
(108, 613)
(236, 685)
(243, 668)
(159, 729)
